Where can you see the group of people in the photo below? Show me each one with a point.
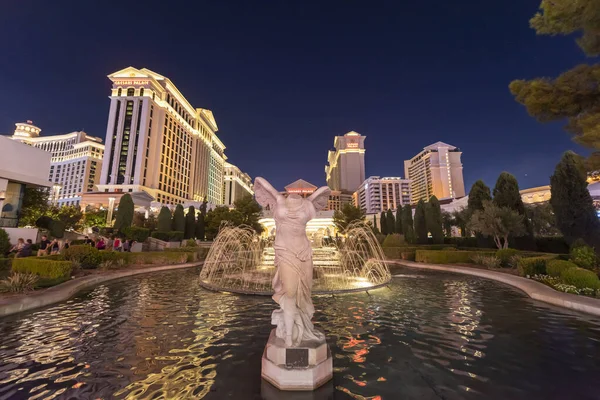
(24, 248)
(114, 243)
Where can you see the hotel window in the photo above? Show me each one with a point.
(130, 92)
(141, 91)
(119, 92)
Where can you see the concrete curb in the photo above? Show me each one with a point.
(535, 290)
(64, 291)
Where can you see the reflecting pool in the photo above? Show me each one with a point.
(426, 336)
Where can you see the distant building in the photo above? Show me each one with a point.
(75, 164)
(336, 200)
(540, 194)
(346, 164)
(158, 143)
(21, 166)
(381, 194)
(236, 184)
(437, 170)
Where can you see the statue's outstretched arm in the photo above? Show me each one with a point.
(266, 195)
(320, 197)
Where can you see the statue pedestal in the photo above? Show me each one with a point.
(305, 367)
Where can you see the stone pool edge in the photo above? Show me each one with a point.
(535, 290)
(66, 290)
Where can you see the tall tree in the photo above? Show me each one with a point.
(421, 223)
(448, 222)
(250, 211)
(164, 220)
(407, 224)
(390, 222)
(479, 193)
(124, 213)
(398, 228)
(190, 223)
(348, 214)
(498, 222)
(572, 203)
(375, 229)
(200, 227)
(506, 194)
(35, 204)
(573, 95)
(461, 220)
(383, 223)
(220, 215)
(433, 220)
(178, 219)
(541, 218)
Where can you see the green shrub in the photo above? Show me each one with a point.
(448, 257)
(408, 255)
(4, 242)
(136, 233)
(533, 265)
(551, 244)
(584, 257)
(393, 240)
(191, 243)
(175, 236)
(580, 278)
(57, 229)
(5, 263)
(193, 253)
(556, 267)
(52, 257)
(504, 255)
(106, 232)
(380, 237)
(43, 268)
(18, 283)
(160, 235)
(87, 256)
(79, 242)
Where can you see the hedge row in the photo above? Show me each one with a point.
(543, 244)
(449, 256)
(173, 236)
(43, 268)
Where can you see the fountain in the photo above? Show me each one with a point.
(240, 261)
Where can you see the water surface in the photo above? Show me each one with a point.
(430, 335)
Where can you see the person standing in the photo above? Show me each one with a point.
(117, 244)
(100, 245)
(66, 245)
(43, 246)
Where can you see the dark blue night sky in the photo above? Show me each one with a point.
(283, 78)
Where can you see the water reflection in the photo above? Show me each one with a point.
(428, 336)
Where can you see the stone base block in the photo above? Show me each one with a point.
(305, 367)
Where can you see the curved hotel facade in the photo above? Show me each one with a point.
(156, 142)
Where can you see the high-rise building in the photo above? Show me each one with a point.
(437, 170)
(158, 143)
(75, 163)
(236, 184)
(381, 194)
(346, 164)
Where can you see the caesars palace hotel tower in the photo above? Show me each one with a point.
(156, 142)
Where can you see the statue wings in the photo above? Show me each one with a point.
(320, 197)
(266, 195)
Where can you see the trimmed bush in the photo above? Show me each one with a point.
(580, 278)
(193, 253)
(191, 243)
(394, 240)
(533, 265)
(42, 268)
(504, 255)
(136, 233)
(551, 244)
(87, 256)
(4, 242)
(584, 257)
(448, 257)
(175, 236)
(57, 229)
(556, 267)
(160, 235)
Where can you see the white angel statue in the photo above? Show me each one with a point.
(293, 258)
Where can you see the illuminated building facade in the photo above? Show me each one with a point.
(158, 143)
(346, 164)
(381, 194)
(540, 194)
(76, 161)
(236, 184)
(437, 170)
